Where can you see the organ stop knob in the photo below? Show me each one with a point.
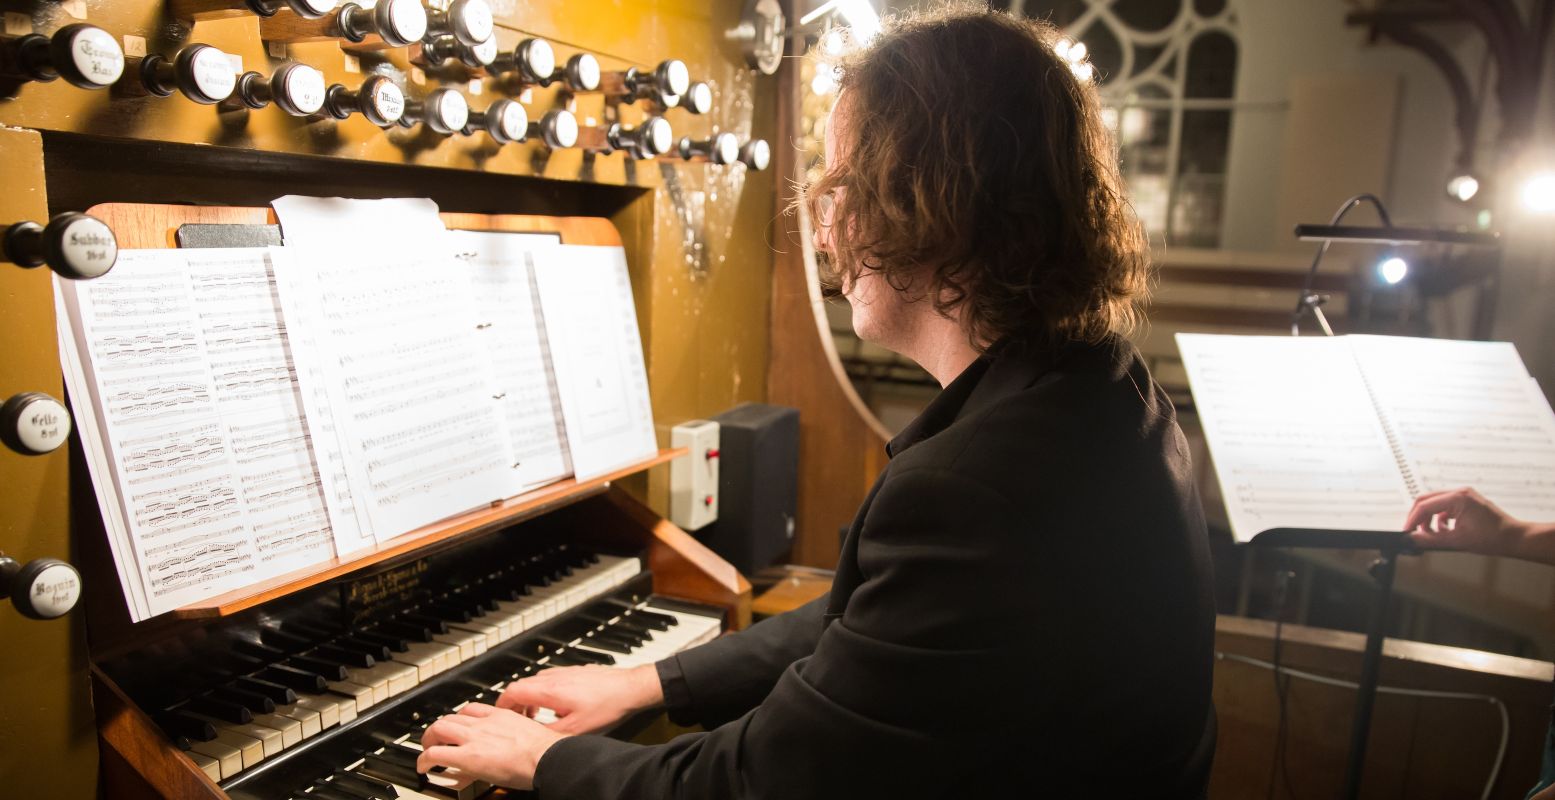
(297, 89)
(220, 9)
(397, 22)
(45, 588)
(722, 148)
(534, 60)
(698, 99)
(582, 73)
(665, 84)
(444, 49)
(203, 73)
(73, 245)
(469, 21)
(558, 129)
(653, 137)
(504, 121)
(33, 423)
(84, 55)
(756, 154)
(378, 99)
(443, 110)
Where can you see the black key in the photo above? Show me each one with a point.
(299, 679)
(592, 657)
(330, 670)
(378, 650)
(427, 621)
(623, 635)
(268, 655)
(609, 644)
(382, 768)
(658, 622)
(284, 641)
(568, 658)
(223, 710)
(324, 791)
(449, 612)
(253, 701)
(415, 633)
(533, 648)
(652, 616)
(397, 644)
(370, 787)
(177, 723)
(311, 631)
(343, 656)
(281, 695)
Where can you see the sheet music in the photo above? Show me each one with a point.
(352, 530)
(502, 277)
(591, 323)
(1465, 414)
(393, 329)
(1295, 438)
(196, 516)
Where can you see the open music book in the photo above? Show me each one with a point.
(1344, 432)
(250, 412)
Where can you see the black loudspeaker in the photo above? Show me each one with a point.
(758, 485)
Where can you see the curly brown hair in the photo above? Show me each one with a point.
(979, 175)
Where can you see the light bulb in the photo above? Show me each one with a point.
(1539, 193)
(1463, 187)
(1393, 270)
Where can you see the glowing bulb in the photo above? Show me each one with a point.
(1539, 193)
(1463, 188)
(1083, 71)
(833, 43)
(1393, 270)
(1061, 47)
(823, 84)
(1077, 53)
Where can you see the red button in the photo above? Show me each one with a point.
(712, 452)
(707, 501)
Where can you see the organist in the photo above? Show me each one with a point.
(1024, 598)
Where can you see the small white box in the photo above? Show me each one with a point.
(694, 476)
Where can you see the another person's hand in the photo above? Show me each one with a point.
(492, 744)
(585, 699)
(1462, 519)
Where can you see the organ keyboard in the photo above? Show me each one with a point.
(324, 695)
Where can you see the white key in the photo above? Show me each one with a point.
(328, 709)
(361, 695)
(311, 725)
(208, 765)
(270, 739)
(250, 750)
(291, 730)
(469, 643)
(229, 760)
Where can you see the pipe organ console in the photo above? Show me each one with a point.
(536, 117)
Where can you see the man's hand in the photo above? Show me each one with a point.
(493, 744)
(1462, 519)
(585, 699)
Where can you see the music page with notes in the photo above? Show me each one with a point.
(501, 268)
(1344, 432)
(178, 369)
(389, 314)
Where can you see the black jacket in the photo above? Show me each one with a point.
(1022, 608)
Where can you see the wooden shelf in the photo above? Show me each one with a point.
(471, 523)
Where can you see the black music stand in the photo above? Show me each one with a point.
(1389, 546)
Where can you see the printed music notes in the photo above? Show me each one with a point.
(502, 275)
(193, 433)
(247, 413)
(390, 317)
(1343, 432)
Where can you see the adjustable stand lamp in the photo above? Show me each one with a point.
(1392, 269)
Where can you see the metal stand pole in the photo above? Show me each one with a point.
(1382, 570)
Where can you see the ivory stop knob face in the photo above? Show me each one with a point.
(446, 111)
(583, 73)
(726, 148)
(673, 77)
(480, 55)
(698, 99)
(33, 423)
(298, 89)
(535, 59)
(45, 588)
(204, 74)
(559, 129)
(471, 21)
(756, 154)
(382, 101)
(400, 22)
(507, 121)
(86, 56)
(79, 247)
(656, 137)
